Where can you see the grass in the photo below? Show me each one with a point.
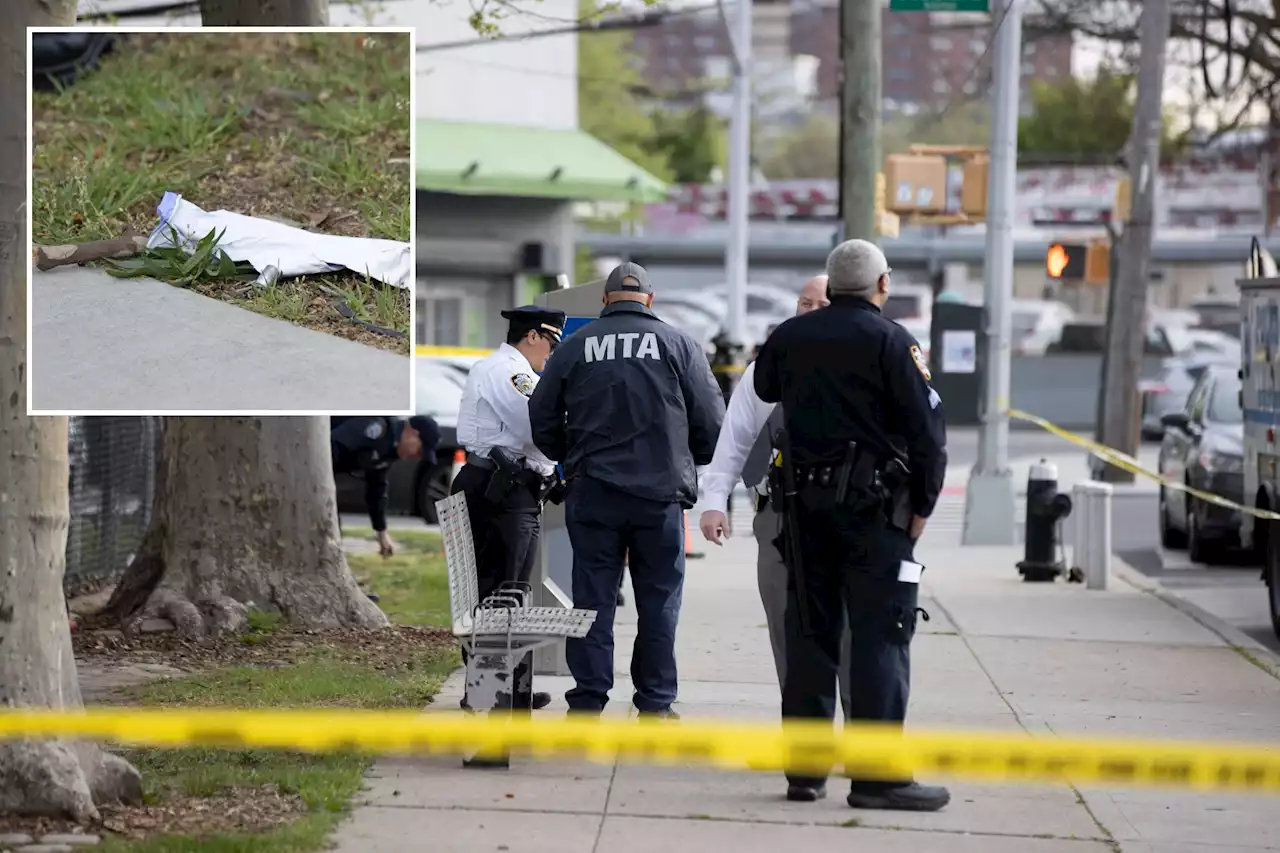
(413, 585)
(307, 128)
(414, 592)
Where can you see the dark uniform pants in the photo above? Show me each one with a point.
(851, 562)
(506, 544)
(605, 525)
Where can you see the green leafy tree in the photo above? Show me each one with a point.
(1082, 120)
(692, 141)
(608, 105)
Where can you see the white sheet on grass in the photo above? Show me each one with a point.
(277, 250)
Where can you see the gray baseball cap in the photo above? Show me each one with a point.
(628, 278)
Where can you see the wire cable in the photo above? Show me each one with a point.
(934, 118)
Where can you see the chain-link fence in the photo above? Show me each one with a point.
(112, 484)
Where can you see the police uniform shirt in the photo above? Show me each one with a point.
(744, 421)
(495, 408)
(846, 373)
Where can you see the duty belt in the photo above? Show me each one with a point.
(528, 476)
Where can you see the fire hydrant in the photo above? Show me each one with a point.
(1046, 507)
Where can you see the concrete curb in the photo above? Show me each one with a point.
(1259, 654)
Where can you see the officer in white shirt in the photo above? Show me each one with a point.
(743, 451)
(506, 478)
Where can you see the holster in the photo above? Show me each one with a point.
(895, 492)
(504, 478)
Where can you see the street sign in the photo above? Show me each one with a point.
(939, 5)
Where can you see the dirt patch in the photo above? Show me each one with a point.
(166, 653)
(247, 810)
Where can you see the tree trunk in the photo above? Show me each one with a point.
(264, 13)
(245, 519)
(37, 668)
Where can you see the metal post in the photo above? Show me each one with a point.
(1128, 314)
(739, 185)
(860, 103)
(990, 514)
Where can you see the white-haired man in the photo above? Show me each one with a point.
(867, 445)
(742, 451)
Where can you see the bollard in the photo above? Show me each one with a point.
(1045, 508)
(1091, 544)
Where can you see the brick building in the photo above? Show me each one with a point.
(927, 57)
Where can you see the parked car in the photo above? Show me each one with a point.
(1217, 313)
(1169, 389)
(1215, 342)
(1089, 334)
(1038, 324)
(909, 302)
(1203, 447)
(416, 485)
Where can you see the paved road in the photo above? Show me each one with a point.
(1233, 592)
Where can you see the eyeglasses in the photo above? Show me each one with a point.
(550, 339)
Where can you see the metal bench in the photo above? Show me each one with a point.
(500, 630)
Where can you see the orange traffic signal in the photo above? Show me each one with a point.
(1065, 261)
(1056, 261)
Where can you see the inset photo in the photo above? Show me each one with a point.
(221, 221)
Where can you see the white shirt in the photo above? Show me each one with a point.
(744, 420)
(495, 408)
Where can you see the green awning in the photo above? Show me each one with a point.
(496, 159)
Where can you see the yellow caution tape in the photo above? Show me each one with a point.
(1126, 462)
(426, 350)
(865, 751)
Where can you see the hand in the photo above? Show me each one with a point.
(714, 525)
(386, 547)
(917, 526)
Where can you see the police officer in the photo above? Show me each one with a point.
(368, 445)
(505, 477)
(868, 455)
(630, 407)
(743, 452)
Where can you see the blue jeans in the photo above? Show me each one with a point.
(605, 524)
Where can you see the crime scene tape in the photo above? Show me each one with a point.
(1127, 463)
(865, 750)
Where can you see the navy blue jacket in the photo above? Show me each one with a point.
(846, 373)
(629, 401)
(367, 445)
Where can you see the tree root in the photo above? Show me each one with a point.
(61, 779)
(198, 618)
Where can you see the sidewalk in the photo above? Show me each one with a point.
(104, 343)
(997, 655)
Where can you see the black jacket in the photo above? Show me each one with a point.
(367, 446)
(845, 373)
(629, 401)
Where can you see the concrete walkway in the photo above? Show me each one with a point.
(997, 655)
(100, 343)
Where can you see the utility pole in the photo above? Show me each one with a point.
(739, 184)
(989, 512)
(1127, 313)
(860, 102)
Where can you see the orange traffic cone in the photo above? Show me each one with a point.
(689, 553)
(459, 459)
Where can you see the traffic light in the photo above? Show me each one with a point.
(1066, 261)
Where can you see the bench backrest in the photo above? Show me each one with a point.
(459, 558)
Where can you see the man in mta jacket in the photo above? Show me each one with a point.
(630, 407)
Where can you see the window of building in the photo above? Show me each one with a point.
(941, 87)
(1029, 48)
(977, 46)
(1028, 69)
(900, 73)
(705, 43)
(439, 321)
(940, 43)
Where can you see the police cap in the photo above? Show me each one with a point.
(628, 278)
(545, 320)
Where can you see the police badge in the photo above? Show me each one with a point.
(921, 364)
(523, 383)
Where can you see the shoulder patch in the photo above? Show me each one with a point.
(921, 364)
(523, 383)
(374, 429)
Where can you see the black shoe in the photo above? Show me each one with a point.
(907, 798)
(664, 714)
(497, 762)
(803, 793)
